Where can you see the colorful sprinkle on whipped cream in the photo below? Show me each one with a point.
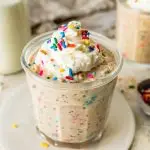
(71, 55)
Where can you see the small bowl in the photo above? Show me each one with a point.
(142, 87)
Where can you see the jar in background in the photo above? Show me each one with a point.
(133, 32)
(14, 34)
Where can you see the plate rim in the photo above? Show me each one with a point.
(133, 118)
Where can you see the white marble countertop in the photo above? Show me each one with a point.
(133, 74)
(130, 73)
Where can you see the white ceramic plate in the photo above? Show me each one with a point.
(16, 108)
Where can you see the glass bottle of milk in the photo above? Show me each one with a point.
(14, 34)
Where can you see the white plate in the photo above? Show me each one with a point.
(16, 108)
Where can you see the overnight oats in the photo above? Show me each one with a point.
(133, 29)
(71, 73)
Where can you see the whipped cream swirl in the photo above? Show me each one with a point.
(69, 51)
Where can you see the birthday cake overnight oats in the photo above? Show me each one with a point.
(133, 29)
(71, 73)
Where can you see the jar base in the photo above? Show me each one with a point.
(70, 145)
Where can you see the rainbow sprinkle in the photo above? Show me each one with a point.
(71, 26)
(55, 78)
(70, 72)
(98, 47)
(94, 73)
(90, 75)
(86, 41)
(69, 78)
(62, 34)
(54, 45)
(41, 73)
(42, 62)
(63, 27)
(90, 101)
(44, 145)
(51, 59)
(55, 40)
(14, 125)
(85, 34)
(61, 70)
(54, 48)
(43, 51)
(49, 77)
(59, 46)
(91, 48)
(71, 45)
(48, 41)
(63, 44)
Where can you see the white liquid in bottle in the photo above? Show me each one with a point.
(14, 34)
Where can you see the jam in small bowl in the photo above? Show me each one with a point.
(144, 95)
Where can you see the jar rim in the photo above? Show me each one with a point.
(82, 85)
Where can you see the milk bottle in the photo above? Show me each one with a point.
(14, 33)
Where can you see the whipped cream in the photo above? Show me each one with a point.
(140, 4)
(69, 54)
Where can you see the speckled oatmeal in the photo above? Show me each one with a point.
(72, 78)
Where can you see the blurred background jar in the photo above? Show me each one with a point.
(133, 29)
(14, 34)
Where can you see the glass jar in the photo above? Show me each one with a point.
(14, 34)
(70, 114)
(133, 33)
